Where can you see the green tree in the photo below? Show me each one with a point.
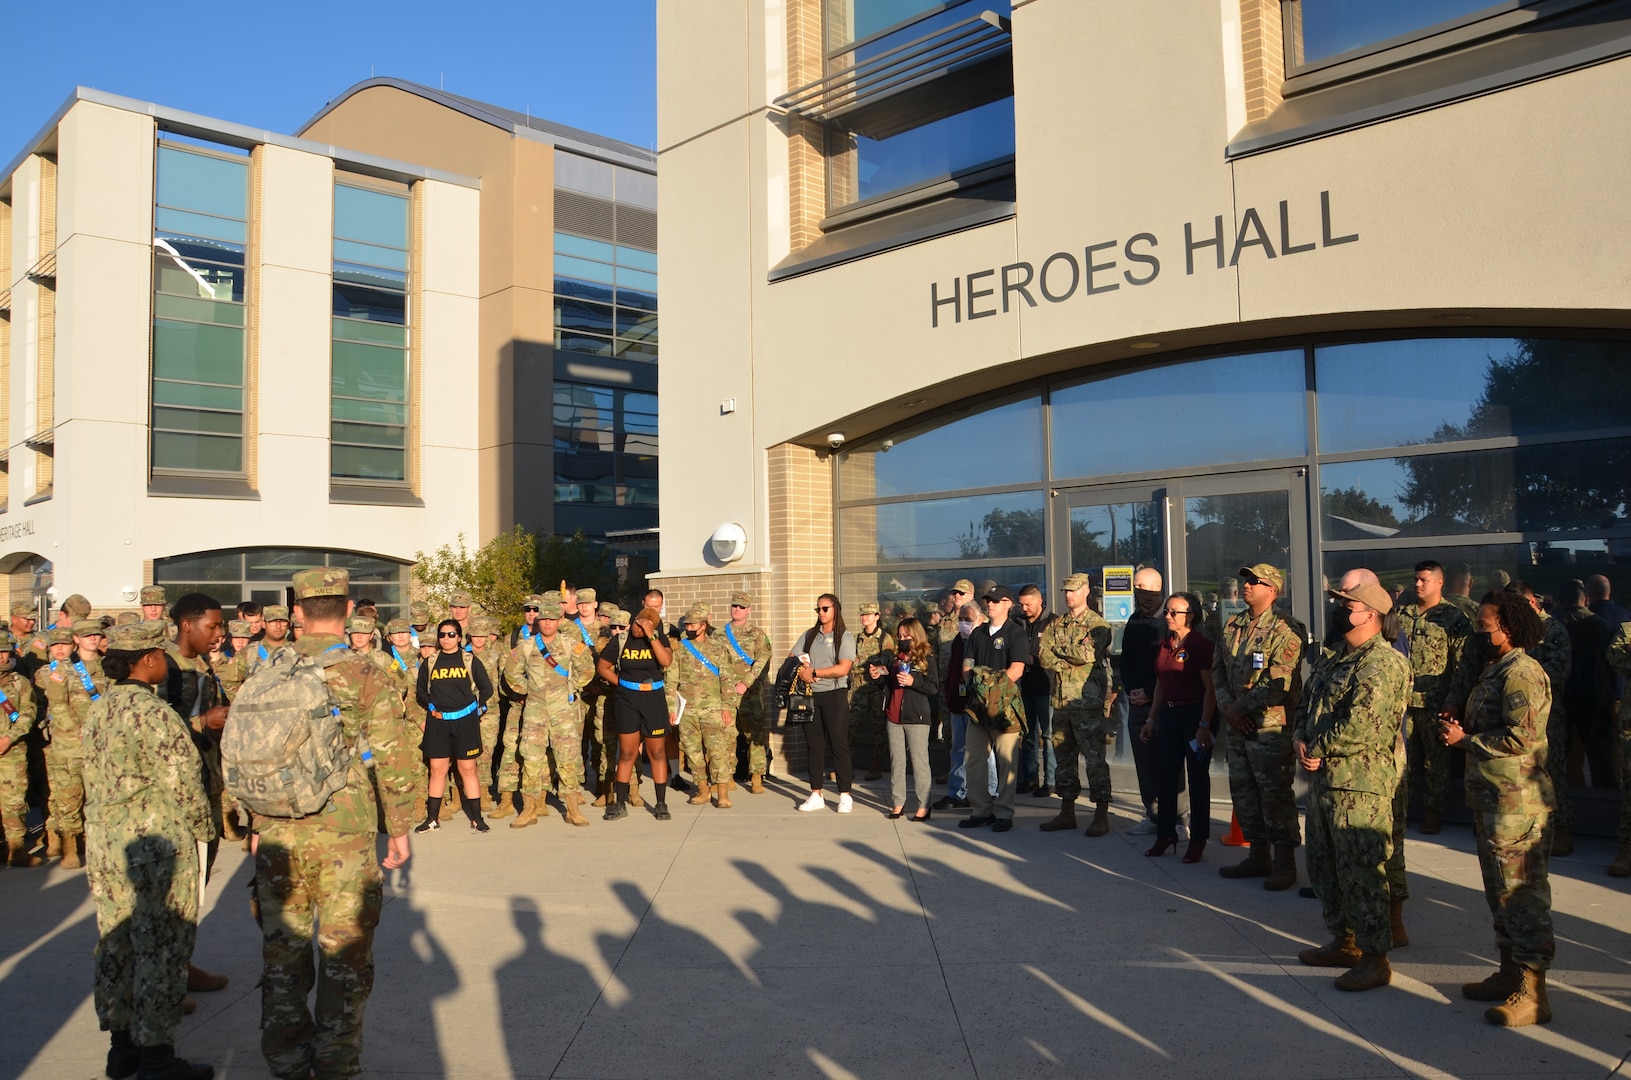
(497, 575)
(1355, 505)
(582, 562)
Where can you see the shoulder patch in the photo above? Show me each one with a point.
(1517, 700)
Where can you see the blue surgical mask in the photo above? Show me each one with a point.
(964, 628)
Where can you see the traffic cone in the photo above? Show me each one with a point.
(1234, 838)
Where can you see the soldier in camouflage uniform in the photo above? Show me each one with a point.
(17, 715)
(194, 690)
(1555, 656)
(1619, 658)
(1257, 674)
(550, 669)
(322, 868)
(246, 661)
(865, 699)
(1436, 662)
(707, 727)
(749, 650)
(70, 685)
(1075, 651)
(146, 813)
(1346, 736)
(1510, 796)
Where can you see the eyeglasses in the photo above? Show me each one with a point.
(821, 609)
(1172, 612)
(447, 635)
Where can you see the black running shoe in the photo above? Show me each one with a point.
(428, 825)
(615, 810)
(660, 812)
(677, 783)
(480, 825)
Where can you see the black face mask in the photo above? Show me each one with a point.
(1339, 619)
(1486, 647)
(691, 633)
(1147, 601)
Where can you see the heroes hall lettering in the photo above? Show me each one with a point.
(1103, 267)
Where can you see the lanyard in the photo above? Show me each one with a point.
(730, 636)
(692, 649)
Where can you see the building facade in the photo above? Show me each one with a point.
(568, 335)
(1008, 291)
(227, 354)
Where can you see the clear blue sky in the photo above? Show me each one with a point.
(591, 65)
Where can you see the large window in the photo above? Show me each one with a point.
(605, 298)
(264, 574)
(368, 427)
(915, 93)
(1318, 30)
(199, 235)
(605, 445)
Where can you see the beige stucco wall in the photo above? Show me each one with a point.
(1501, 206)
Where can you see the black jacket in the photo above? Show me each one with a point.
(915, 700)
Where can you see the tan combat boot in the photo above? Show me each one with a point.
(487, 801)
(200, 981)
(1401, 937)
(17, 837)
(699, 797)
(1101, 820)
(1526, 1005)
(1373, 970)
(529, 812)
(53, 843)
(1255, 864)
(1284, 874)
(450, 801)
(1562, 840)
(573, 815)
(722, 793)
(634, 794)
(70, 852)
(756, 784)
(1065, 820)
(230, 829)
(600, 799)
(505, 807)
(1340, 953)
(1499, 985)
(1620, 867)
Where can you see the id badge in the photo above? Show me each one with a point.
(1259, 661)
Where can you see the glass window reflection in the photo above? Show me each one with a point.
(1180, 416)
(1332, 27)
(977, 527)
(951, 454)
(920, 592)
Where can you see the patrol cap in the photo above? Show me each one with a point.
(153, 594)
(741, 599)
(127, 618)
(1368, 593)
(484, 626)
(419, 613)
(998, 592)
(274, 613)
(549, 609)
(605, 609)
(1265, 573)
(964, 586)
(587, 596)
(553, 596)
(533, 601)
(322, 581)
(699, 613)
(869, 608)
(77, 606)
(621, 618)
(398, 626)
(138, 637)
(7, 642)
(20, 608)
(88, 628)
(240, 628)
(1076, 581)
(459, 599)
(59, 635)
(360, 624)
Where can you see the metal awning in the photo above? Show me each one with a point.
(41, 440)
(45, 269)
(5, 299)
(885, 94)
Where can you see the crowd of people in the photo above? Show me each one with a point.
(129, 716)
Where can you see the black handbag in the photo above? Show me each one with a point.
(800, 709)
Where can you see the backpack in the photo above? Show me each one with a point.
(283, 754)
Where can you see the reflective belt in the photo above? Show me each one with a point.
(740, 652)
(692, 649)
(462, 713)
(85, 679)
(627, 685)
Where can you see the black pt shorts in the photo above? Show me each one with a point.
(459, 738)
(643, 712)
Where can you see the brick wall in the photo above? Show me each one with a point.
(1262, 44)
(806, 167)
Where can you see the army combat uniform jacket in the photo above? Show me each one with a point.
(1259, 666)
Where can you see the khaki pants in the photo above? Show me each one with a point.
(980, 739)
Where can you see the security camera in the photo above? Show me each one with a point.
(835, 440)
(887, 445)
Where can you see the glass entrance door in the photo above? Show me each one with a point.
(1122, 525)
(1233, 521)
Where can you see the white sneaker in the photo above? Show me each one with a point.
(814, 802)
(1143, 828)
(845, 803)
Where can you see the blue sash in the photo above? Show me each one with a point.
(262, 650)
(584, 630)
(740, 652)
(692, 649)
(398, 658)
(526, 633)
(559, 670)
(12, 714)
(85, 679)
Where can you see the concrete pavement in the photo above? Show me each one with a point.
(761, 942)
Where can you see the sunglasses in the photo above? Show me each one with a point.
(1174, 612)
(821, 609)
(529, 609)
(739, 607)
(447, 635)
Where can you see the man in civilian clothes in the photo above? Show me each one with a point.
(1036, 756)
(1135, 680)
(1001, 646)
